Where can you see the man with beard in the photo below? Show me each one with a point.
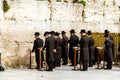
(38, 44)
(73, 41)
(50, 49)
(108, 51)
(91, 49)
(84, 50)
(58, 47)
(64, 48)
(106, 32)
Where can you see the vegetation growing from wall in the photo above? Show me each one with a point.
(6, 7)
(83, 2)
(58, 0)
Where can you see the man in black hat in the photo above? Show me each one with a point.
(108, 51)
(50, 50)
(106, 32)
(58, 47)
(84, 50)
(46, 35)
(73, 41)
(91, 49)
(38, 44)
(64, 48)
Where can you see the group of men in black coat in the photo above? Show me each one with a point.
(57, 48)
(86, 44)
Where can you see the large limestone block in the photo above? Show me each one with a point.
(66, 11)
(94, 13)
(117, 2)
(99, 2)
(111, 14)
(24, 53)
(113, 28)
(109, 2)
(28, 11)
(1, 11)
(23, 19)
(89, 2)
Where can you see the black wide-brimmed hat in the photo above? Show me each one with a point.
(57, 33)
(72, 31)
(37, 33)
(83, 31)
(106, 31)
(89, 32)
(63, 32)
(52, 32)
(46, 33)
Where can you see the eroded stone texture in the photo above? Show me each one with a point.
(17, 26)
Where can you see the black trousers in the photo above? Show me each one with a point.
(65, 60)
(91, 63)
(85, 65)
(109, 64)
(37, 59)
(50, 65)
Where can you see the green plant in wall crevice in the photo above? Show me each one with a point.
(59, 0)
(6, 6)
(83, 2)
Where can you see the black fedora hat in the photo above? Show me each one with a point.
(37, 33)
(89, 32)
(106, 31)
(72, 31)
(52, 32)
(63, 32)
(83, 31)
(57, 33)
(46, 33)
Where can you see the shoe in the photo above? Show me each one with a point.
(83, 70)
(49, 70)
(64, 64)
(90, 66)
(107, 68)
(36, 68)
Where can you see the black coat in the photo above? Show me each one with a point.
(58, 47)
(50, 46)
(74, 41)
(84, 48)
(119, 48)
(108, 50)
(65, 47)
(91, 48)
(38, 43)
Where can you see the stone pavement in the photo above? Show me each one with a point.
(61, 73)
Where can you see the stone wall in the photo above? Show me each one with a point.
(25, 17)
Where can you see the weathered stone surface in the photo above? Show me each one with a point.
(94, 13)
(66, 12)
(25, 17)
(117, 2)
(109, 2)
(111, 14)
(99, 2)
